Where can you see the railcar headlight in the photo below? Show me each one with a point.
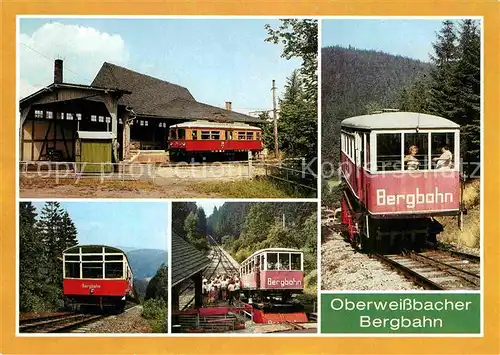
(91, 291)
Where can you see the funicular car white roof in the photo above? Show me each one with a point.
(399, 120)
(208, 124)
(274, 250)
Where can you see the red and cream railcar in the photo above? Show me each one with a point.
(401, 169)
(273, 269)
(97, 275)
(211, 139)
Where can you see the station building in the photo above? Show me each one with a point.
(135, 109)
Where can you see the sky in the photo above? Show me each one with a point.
(138, 225)
(409, 38)
(208, 205)
(218, 60)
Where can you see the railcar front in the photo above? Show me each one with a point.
(400, 169)
(96, 276)
(273, 272)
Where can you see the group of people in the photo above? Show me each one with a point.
(444, 161)
(221, 288)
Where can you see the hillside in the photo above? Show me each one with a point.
(355, 82)
(145, 262)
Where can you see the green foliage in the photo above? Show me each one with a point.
(297, 124)
(193, 225)
(179, 214)
(158, 286)
(299, 39)
(156, 310)
(357, 81)
(41, 242)
(255, 226)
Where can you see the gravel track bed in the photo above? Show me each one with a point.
(342, 268)
(127, 322)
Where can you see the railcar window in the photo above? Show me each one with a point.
(259, 136)
(295, 261)
(92, 249)
(416, 149)
(250, 136)
(442, 150)
(367, 150)
(91, 257)
(241, 136)
(262, 262)
(194, 134)
(181, 133)
(92, 270)
(72, 257)
(72, 270)
(229, 135)
(205, 134)
(173, 134)
(284, 261)
(73, 251)
(215, 135)
(389, 151)
(114, 270)
(272, 259)
(113, 257)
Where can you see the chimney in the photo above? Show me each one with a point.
(228, 105)
(58, 71)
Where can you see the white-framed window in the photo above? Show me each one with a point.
(93, 118)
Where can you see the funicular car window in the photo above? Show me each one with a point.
(92, 249)
(250, 136)
(194, 134)
(73, 251)
(205, 134)
(284, 261)
(92, 270)
(181, 133)
(272, 259)
(262, 262)
(173, 134)
(295, 261)
(442, 150)
(72, 257)
(215, 135)
(241, 136)
(416, 151)
(259, 136)
(92, 257)
(114, 270)
(389, 151)
(72, 270)
(229, 135)
(367, 151)
(113, 257)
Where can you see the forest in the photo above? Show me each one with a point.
(42, 240)
(356, 82)
(245, 227)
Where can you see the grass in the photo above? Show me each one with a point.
(241, 189)
(469, 236)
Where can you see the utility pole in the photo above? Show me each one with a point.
(275, 118)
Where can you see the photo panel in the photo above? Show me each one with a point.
(90, 268)
(401, 179)
(244, 267)
(219, 107)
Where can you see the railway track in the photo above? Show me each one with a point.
(57, 324)
(62, 322)
(437, 269)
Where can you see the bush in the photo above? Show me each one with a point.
(156, 310)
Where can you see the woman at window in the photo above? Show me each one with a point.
(411, 160)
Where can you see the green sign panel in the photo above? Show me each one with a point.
(406, 313)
